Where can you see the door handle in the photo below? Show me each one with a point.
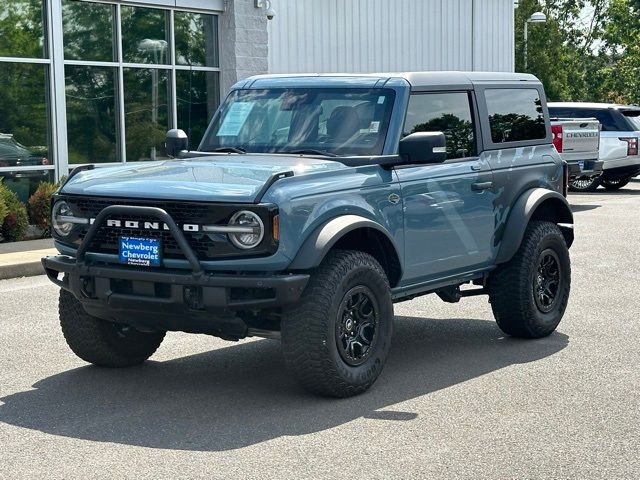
(478, 187)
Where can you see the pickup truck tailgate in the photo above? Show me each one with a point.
(581, 136)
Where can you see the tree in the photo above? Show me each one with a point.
(589, 50)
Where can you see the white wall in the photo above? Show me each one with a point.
(391, 35)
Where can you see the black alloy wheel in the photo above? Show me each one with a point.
(547, 280)
(357, 325)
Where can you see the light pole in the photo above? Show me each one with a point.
(157, 47)
(537, 17)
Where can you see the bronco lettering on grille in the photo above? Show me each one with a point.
(138, 225)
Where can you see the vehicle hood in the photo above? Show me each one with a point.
(220, 178)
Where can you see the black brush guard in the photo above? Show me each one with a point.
(151, 297)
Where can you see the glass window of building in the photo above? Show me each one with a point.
(197, 96)
(22, 29)
(121, 86)
(24, 127)
(88, 31)
(196, 37)
(24, 106)
(145, 35)
(24, 120)
(146, 100)
(91, 114)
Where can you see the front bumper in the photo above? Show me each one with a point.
(590, 169)
(196, 301)
(170, 299)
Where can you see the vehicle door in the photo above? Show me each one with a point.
(448, 207)
(517, 145)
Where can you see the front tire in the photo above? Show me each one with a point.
(336, 339)
(529, 294)
(615, 183)
(101, 342)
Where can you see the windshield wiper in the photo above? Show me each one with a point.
(309, 151)
(228, 150)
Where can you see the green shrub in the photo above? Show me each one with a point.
(40, 206)
(16, 221)
(3, 208)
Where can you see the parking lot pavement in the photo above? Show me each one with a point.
(456, 400)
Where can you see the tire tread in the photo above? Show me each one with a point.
(86, 337)
(304, 338)
(509, 289)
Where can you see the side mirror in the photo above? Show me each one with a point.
(424, 147)
(176, 141)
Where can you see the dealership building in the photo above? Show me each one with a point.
(100, 82)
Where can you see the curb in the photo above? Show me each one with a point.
(16, 270)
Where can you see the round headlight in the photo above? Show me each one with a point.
(60, 218)
(250, 229)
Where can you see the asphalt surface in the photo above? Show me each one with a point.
(456, 400)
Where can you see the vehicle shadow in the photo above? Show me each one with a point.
(233, 397)
(583, 208)
(603, 192)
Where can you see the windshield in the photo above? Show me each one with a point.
(633, 116)
(336, 121)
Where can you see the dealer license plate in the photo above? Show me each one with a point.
(144, 252)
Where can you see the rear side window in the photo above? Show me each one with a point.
(449, 113)
(515, 114)
(606, 117)
(633, 117)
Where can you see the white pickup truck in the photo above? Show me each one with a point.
(577, 140)
(619, 140)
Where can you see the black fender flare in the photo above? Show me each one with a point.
(323, 238)
(524, 210)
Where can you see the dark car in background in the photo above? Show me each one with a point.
(14, 154)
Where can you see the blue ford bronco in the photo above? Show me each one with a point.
(313, 203)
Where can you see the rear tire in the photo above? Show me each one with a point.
(585, 184)
(104, 343)
(616, 183)
(529, 294)
(336, 339)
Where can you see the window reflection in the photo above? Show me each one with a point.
(196, 37)
(146, 112)
(23, 115)
(91, 114)
(144, 35)
(197, 96)
(25, 183)
(515, 115)
(22, 29)
(88, 31)
(449, 113)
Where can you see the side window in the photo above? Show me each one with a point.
(555, 112)
(515, 114)
(449, 113)
(605, 118)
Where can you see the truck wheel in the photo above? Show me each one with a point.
(529, 294)
(585, 184)
(335, 340)
(615, 183)
(103, 343)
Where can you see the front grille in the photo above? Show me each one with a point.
(206, 246)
